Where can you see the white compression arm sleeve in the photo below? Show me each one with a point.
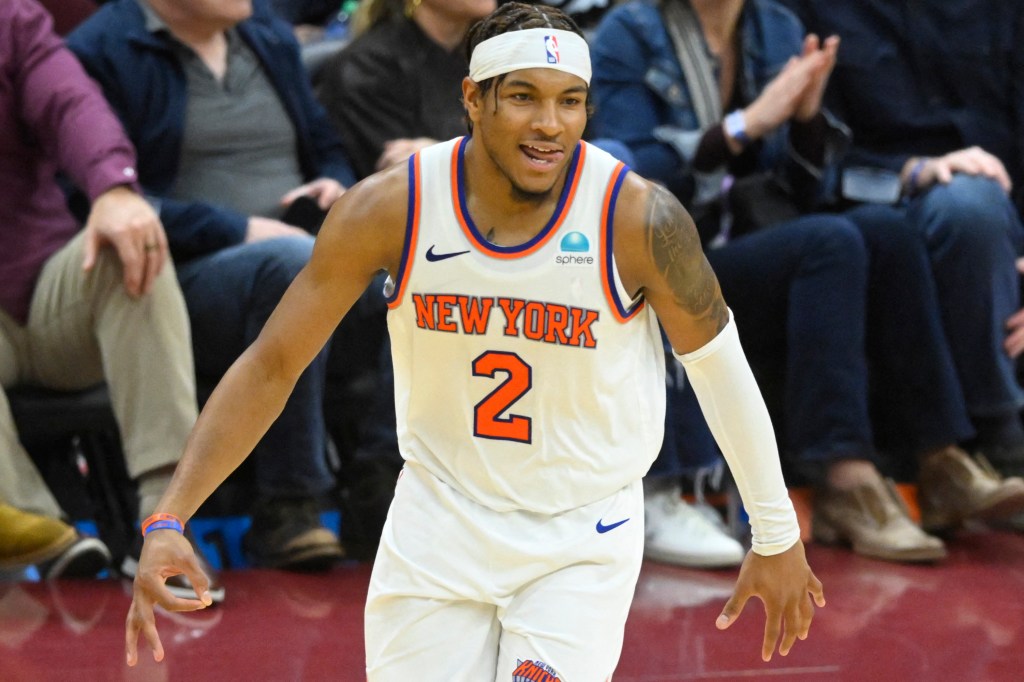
(735, 411)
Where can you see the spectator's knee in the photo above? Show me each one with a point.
(838, 236)
(969, 209)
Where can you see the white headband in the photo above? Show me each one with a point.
(532, 48)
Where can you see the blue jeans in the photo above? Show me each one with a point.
(230, 294)
(973, 234)
(916, 399)
(797, 291)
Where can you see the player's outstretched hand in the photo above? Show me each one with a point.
(785, 583)
(165, 553)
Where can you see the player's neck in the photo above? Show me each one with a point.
(506, 215)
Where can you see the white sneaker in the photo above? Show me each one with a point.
(677, 533)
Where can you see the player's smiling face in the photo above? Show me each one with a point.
(530, 125)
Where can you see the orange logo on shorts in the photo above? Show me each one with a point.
(534, 671)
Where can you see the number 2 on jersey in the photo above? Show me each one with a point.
(488, 421)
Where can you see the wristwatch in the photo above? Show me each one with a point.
(735, 126)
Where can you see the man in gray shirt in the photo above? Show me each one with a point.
(229, 135)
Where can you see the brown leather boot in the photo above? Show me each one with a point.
(953, 486)
(873, 519)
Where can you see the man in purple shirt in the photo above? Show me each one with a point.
(81, 305)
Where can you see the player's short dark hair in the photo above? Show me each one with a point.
(516, 16)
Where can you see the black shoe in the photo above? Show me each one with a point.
(286, 533)
(83, 559)
(179, 585)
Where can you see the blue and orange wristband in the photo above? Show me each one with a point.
(162, 521)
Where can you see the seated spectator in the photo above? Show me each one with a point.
(397, 86)
(817, 295)
(941, 156)
(79, 305)
(231, 142)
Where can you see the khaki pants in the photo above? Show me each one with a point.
(84, 328)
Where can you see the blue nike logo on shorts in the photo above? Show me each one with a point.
(601, 528)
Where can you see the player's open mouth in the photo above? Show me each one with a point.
(542, 156)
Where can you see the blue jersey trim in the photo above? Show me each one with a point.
(609, 263)
(410, 231)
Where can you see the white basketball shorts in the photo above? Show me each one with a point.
(460, 592)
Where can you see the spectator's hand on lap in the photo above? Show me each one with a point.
(126, 221)
(971, 161)
(783, 582)
(259, 229)
(397, 151)
(325, 190)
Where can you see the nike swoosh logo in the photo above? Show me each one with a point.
(434, 257)
(601, 528)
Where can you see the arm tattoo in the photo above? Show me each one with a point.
(676, 251)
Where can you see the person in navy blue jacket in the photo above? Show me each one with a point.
(934, 95)
(231, 144)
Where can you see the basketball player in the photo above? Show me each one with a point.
(527, 267)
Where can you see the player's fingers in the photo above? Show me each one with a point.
(153, 637)
(140, 619)
(792, 627)
(732, 609)
(772, 626)
(816, 589)
(200, 582)
(179, 604)
(131, 639)
(806, 610)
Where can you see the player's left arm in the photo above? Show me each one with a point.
(658, 253)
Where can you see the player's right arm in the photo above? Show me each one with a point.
(363, 234)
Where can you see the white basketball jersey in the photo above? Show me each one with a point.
(524, 377)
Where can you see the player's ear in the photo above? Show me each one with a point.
(472, 99)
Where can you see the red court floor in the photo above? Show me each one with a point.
(960, 621)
